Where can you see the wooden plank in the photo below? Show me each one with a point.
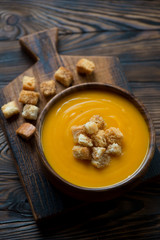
(134, 216)
(24, 17)
(45, 201)
(138, 53)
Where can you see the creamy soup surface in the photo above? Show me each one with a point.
(77, 109)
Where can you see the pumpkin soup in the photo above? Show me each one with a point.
(75, 110)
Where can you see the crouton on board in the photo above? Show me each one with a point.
(26, 130)
(64, 76)
(85, 66)
(29, 83)
(28, 97)
(30, 112)
(10, 109)
(48, 88)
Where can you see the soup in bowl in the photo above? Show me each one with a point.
(76, 106)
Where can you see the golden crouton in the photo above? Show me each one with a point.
(48, 88)
(10, 109)
(28, 97)
(76, 131)
(102, 162)
(85, 66)
(26, 130)
(97, 152)
(30, 112)
(114, 135)
(91, 128)
(99, 121)
(64, 76)
(29, 83)
(99, 139)
(82, 153)
(85, 141)
(114, 149)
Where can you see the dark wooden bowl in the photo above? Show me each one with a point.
(103, 193)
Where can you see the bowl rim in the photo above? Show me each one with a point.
(141, 170)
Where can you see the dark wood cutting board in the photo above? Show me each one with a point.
(46, 201)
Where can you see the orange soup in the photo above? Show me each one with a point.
(77, 109)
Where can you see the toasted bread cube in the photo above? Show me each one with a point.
(114, 135)
(30, 112)
(10, 109)
(102, 162)
(76, 131)
(64, 76)
(114, 149)
(99, 121)
(99, 139)
(26, 130)
(91, 128)
(85, 66)
(97, 152)
(48, 88)
(29, 83)
(85, 141)
(28, 97)
(82, 153)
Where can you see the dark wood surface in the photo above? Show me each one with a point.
(127, 29)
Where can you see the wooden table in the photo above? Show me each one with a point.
(127, 29)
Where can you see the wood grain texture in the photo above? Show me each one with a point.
(45, 201)
(138, 53)
(19, 18)
(137, 214)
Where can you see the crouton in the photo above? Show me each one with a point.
(26, 130)
(91, 128)
(102, 162)
(82, 153)
(76, 131)
(99, 139)
(99, 121)
(28, 97)
(114, 135)
(114, 149)
(95, 143)
(30, 112)
(64, 76)
(97, 152)
(10, 109)
(85, 141)
(85, 66)
(29, 83)
(48, 88)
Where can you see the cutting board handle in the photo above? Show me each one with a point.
(42, 46)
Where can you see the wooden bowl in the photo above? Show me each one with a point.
(102, 193)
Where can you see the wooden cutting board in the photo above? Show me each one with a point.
(46, 201)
